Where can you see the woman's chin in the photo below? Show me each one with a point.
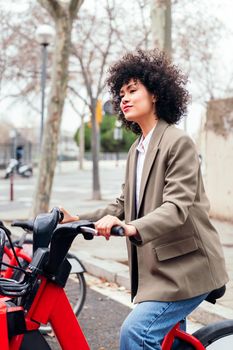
(130, 118)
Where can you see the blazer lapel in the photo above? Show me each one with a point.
(132, 180)
(151, 154)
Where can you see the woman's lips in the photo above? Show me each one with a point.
(126, 108)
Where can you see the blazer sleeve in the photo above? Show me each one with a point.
(116, 209)
(180, 188)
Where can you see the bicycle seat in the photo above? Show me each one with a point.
(215, 294)
(26, 225)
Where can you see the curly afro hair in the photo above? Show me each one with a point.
(161, 78)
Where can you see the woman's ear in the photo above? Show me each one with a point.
(154, 99)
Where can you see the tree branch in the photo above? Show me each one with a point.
(52, 6)
(76, 93)
(74, 7)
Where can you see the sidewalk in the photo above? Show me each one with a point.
(105, 259)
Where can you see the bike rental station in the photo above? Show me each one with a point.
(33, 290)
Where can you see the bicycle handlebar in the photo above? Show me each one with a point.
(63, 237)
(115, 231)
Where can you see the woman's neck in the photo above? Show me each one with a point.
(150, 124)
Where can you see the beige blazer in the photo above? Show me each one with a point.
(179, 255)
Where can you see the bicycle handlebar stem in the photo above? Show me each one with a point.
(43, 228)
(61, 241)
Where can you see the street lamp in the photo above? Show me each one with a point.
(117, 135)
(44, 36)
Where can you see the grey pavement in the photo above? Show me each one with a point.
(105, 259)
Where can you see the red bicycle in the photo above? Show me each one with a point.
(18, 255)
(40, 298)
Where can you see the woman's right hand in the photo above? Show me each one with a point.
(67, 216)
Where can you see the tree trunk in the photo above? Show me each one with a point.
(81, 143)
(95, 155)
(161, 21)
(55, 108)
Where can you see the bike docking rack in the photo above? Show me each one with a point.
(40, 298)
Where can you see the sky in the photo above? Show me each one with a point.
(223, 9)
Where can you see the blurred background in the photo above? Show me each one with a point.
(53, 102)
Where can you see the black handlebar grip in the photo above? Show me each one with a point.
(117, 231)
(61, 216)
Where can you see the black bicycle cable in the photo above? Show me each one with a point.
(8, 234)
(21, 269)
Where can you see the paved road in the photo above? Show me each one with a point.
(72, 188)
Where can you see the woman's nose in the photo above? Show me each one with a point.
(125, 98)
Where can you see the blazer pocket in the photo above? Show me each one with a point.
(173, 250)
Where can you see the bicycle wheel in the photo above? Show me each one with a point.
(27, 245)
(216, 336)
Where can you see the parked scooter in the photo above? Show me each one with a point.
(24, 170)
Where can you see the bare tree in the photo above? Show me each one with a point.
(92, 54)
(101, 35)
(187, 31)
(196, 40)
(161, 20)
(102, 38)
(63, 15)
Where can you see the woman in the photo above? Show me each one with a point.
(175, 255)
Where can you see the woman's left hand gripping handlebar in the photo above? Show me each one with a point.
(67, 216)
(104, 225)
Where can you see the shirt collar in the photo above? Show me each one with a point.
(144, 141)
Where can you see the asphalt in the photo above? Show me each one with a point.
(101, 258)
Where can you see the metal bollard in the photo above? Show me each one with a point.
(11, 187)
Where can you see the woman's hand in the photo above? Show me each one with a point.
(104, 225)
(67, 216)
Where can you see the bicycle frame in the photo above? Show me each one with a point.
(177, 333)
(47, 301)
(12, 261)
(48, 306)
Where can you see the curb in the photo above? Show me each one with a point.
(109, 270)
(119, 273)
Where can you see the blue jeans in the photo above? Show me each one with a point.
(149, 322)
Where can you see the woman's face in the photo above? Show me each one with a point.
(137, 103)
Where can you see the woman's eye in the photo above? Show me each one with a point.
(131, 91)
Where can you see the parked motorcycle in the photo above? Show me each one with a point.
(14, 166)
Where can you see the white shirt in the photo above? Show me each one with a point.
(142, 149)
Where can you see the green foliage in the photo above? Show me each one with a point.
(108, 144)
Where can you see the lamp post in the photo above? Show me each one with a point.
(117, 135)
(44, 36)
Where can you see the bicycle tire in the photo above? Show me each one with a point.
(216, 336)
